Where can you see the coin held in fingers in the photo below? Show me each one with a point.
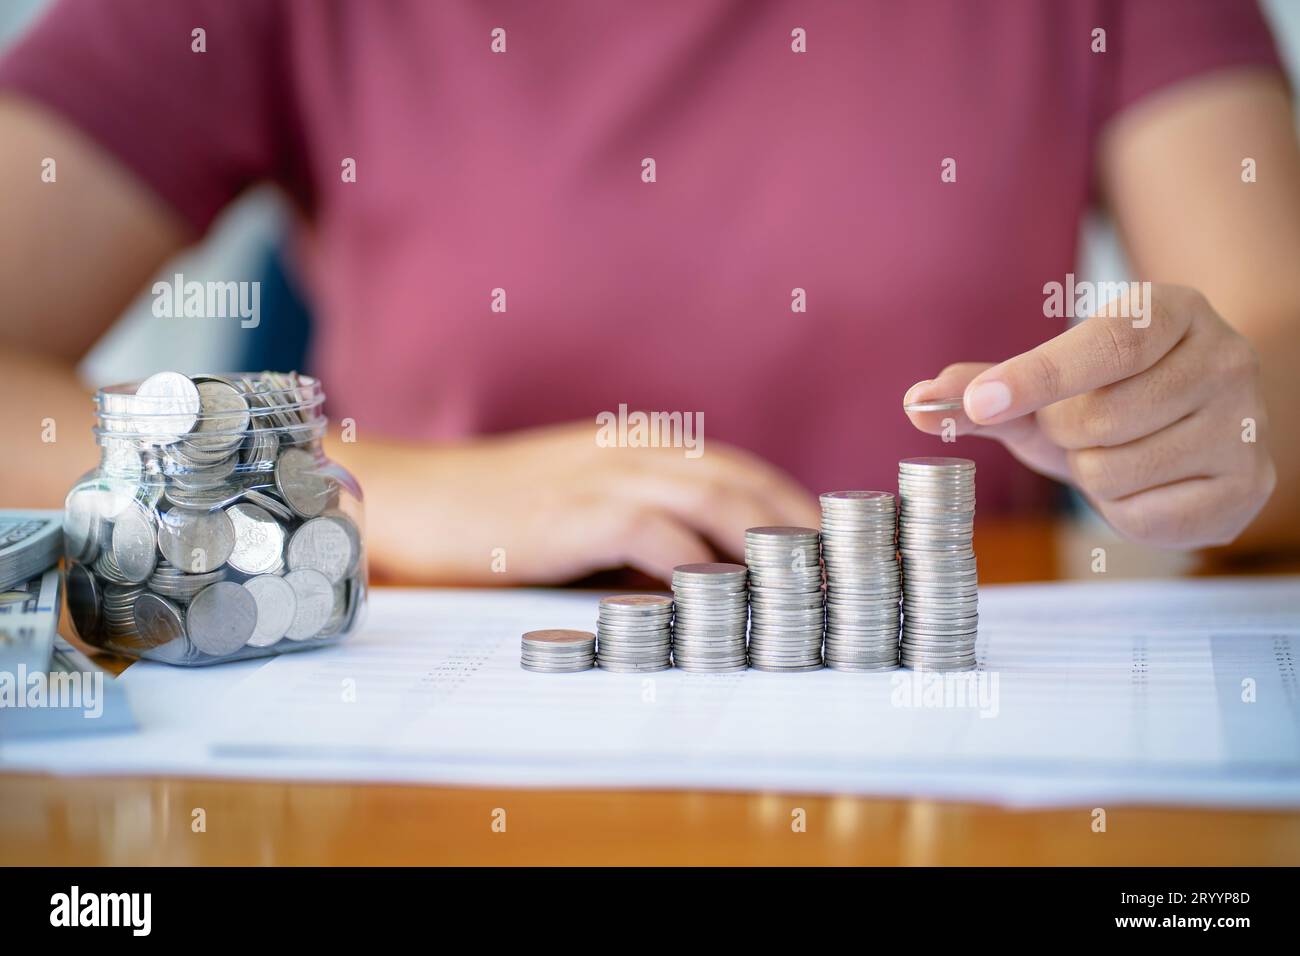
(935, 405)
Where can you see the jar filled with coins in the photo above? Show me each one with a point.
(214, 528)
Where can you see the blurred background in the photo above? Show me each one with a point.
(248, 243)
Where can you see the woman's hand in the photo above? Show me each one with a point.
(1153, 424)
(551, 505)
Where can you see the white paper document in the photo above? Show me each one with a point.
(1091, 694)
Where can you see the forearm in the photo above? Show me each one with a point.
(78, 246)
(45, 437)
(1277, 529)
(1173, 169)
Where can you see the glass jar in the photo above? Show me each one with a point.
(214, 528)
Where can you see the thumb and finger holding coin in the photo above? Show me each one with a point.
(1129, 414)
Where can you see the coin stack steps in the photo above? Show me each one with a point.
(711, 613)
(558, 651)
(863, 587)
(940, 583)
(785, 599)
(778, 599)
(634, 633)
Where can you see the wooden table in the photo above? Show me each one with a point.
(49, 820)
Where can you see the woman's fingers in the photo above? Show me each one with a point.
(783, 500)
(1196, 513)
(719, 512)
(724, 477)
(1097, 352)
(718, 496)
(654, 543)
(1021, 436)
(950, 383)
(1125, 411)
(1181, 451)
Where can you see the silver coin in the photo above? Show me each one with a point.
(354, 536)
(84, 604)
(260, 450)
(174, 584)
(323, 545)
(617, 668)
(637, 603)
(259, 539)
(936, 405)
(301, 484)
(339, 613)
(204, 499)
(84, 525)
(168, 407)
(157, 621)
(106, 567)
(277, 606)
(223, 418)
(196, 541)
(270, 503)
(709, 572)
(221, 618)
(559, 639)
(315, 596)
(135, 543)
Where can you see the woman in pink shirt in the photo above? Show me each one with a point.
(775, 218)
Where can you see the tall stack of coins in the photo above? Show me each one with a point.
(711, 613)
(213, 527)
(862, 580)
(558, 651)
(634, 633)
(785, 599)
(940, 583)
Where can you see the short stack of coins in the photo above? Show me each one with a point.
(785, 599)
(940, 584)
(863, 588)
(710, 617)
(557, 651)
(634, 633)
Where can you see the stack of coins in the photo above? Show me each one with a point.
(711, 612)
(940, 585)
(862, 581)
(785, 599)
(558, 651)
(634, 632)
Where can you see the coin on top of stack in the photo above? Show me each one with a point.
(940, 584)
(557, 651)
(710, 616)
(634, 633)
(785, 599)
(862, 580)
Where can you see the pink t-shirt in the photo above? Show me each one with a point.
(522, 170)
